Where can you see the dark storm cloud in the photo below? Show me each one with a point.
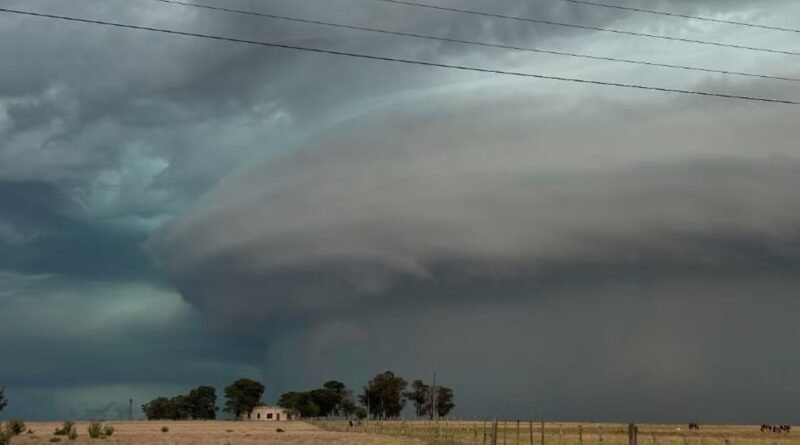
(373, 225)
(72, 335)
(417, 213)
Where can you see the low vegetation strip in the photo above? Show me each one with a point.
(205, 433)
(526, 432)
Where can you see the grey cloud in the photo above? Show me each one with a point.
(90, 335)
(336, 218)
(476, 190)
(611, 273)
(663, 350)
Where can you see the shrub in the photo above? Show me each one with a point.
(229, 431)
(55, 439)
(5, 434)
(108, 430)
(279, 430)
(16, 427)
(95, 430)
(65, 428)
(30, 431)
(164, 429)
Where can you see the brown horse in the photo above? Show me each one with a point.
(769, 428)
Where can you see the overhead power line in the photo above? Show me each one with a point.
(591, 28)
(399, 60)
(477, 43)
(683, 16)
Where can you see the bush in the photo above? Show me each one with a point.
(95, 430)
(360, 413)
(279, 430)
(164, 429)
(5, 434)
(55, 439)
(108, 430)
(16, 427)
(65, 428)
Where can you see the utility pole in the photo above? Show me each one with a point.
(130, 409)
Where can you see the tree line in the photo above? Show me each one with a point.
(201, 403)
(383, 397)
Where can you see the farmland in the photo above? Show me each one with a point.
(207, 433)
(512, 432)
(402, 433)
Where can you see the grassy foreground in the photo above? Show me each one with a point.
(530, 433)
(207, 433)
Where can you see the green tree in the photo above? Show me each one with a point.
(243, 395)
(159, 408)
(444, 401)
(343, 397)
(3, 400)
(203, 403)
(326, 400)
(421, 396)
(384, 395)
(348, 406)
(181, 407)
(299, 404)
(338, 393)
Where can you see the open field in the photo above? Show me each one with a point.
(530, 433)
(208, 433)
(404, 433)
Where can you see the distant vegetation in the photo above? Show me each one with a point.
(67, 427)
(333, 399)
(199, 404)
(424, 398)
(3, 400)
(243, 395)
(11, 429)
(384, 397)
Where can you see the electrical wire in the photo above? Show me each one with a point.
(399, 60)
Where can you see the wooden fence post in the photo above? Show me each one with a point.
(517, 431)
(580, 434)
(530, 424)
(505, 428)
(484, 432)
(600, 434)
(542, 431)
(494, 432)
(633, 431)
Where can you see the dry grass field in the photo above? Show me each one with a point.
(208, 433)
(525, 433)
(402, 433)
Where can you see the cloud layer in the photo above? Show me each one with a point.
(198, 211)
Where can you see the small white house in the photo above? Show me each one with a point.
(268, 413)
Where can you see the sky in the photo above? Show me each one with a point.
(177, 211)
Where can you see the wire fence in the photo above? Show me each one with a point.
(529, 432)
